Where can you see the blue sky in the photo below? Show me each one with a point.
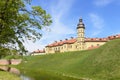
(101, 19)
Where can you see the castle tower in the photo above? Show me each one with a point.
(80, 35)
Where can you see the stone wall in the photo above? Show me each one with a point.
(4, 62)
(16, 61)
(10, 62)
(10, 69)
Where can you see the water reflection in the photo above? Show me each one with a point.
(23, 77)
(15, 71)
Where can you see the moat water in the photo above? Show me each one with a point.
(37, 75)
(15, 72)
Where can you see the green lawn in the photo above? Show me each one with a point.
(98, 64)
(8, 76)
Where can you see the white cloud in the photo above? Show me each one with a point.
(58, 12)
(30, 46)
(98, 23)
(58, 30)
(103, 2)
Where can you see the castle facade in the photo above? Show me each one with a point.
(79, 43)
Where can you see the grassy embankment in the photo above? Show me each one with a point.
(8, 76)
(98, 64)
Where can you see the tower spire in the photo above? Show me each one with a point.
(80, 24)
(80, 20)
(80, 35)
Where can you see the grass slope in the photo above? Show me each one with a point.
(98, 64)
(8, 76)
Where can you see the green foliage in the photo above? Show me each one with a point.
(98, 64)
(4, 52)
(17, 23)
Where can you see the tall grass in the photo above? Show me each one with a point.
(8, 76)
(98, 64)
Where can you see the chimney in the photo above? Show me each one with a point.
(60, 40)
(55, 41)
(71, 37)
(66, 39)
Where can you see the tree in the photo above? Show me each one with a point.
(18, 23)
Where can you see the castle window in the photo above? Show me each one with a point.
(98, 44)
(91, 45)
(83, 47)
(76, 47)
(50, 49)
(58, 48)
(64, 46)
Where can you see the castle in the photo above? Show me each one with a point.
(79, 43)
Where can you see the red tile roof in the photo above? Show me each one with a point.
(114, 37)
(70, 41)
(96, 39)
(73, 40)
(39, 51)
